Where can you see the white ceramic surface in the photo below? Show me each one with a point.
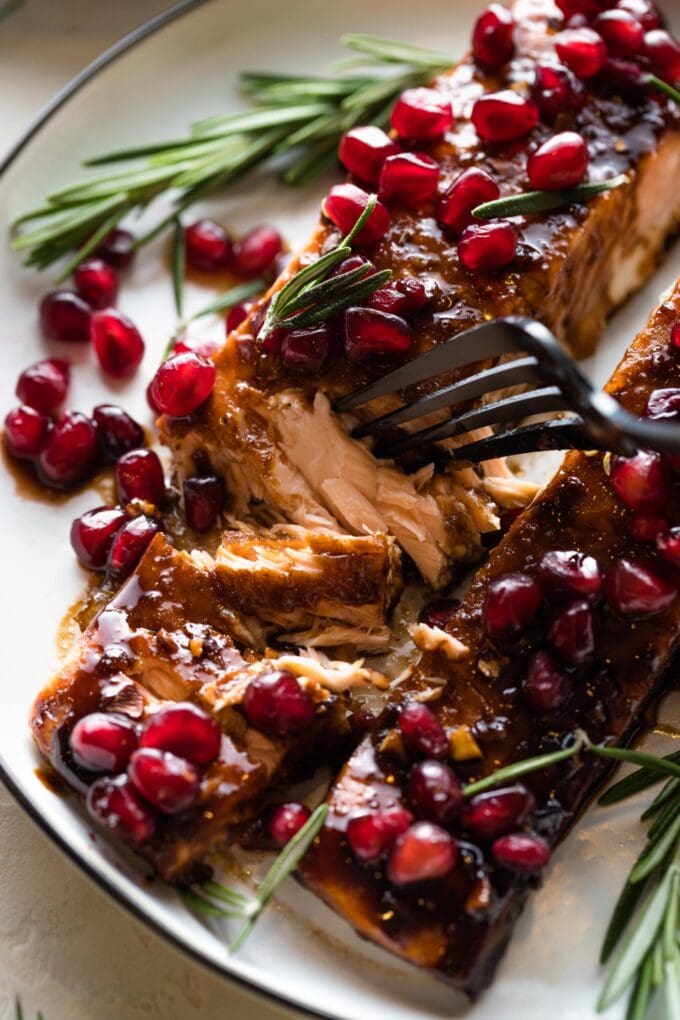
(301, 952)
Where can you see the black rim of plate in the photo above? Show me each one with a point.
(123, 46)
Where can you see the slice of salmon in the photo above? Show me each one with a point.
(458, 927)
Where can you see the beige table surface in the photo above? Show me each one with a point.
(65, 948)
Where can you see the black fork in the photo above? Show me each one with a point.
(596, 421)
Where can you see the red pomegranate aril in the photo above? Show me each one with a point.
(355, 261)
(504, 116)
(238, 314)
(343, 206)
(422, 115)
(117, 248)
(472, 188)
(103, 742)
(92, 535)
(400, 297)
(439, 613)
(567, 572)
(434, 792)
(118, 431)
(130, 544)
(523, 852)
(560, 162)
(65, 316)
(371, 835)
(117, 343)
(668, 545)
(641, 481)
(203, 501)
(182, 383)
(511, 604)
(675, 337)
(497, 812)
(409, 179)
(44, 385)
(257, 250)
(579, 8)
(185, 730)
(71, 452)
(26, 432)
(663, 53)
(169, 783)
(116, 805)
(374, 335)
(623, 34)
(305, 351)
(277, 704)
(207, 245)
(492, 37)
(424, 852)
(545, 687)
(582, 50)
(645, 12)
(204, 347)
(486, 247)
(96, 282)
(646, 527)
(572, 634)
(422, 731)
(556, 90)
(632, 589)
(139, 475)
(286, 820)
(363, 150)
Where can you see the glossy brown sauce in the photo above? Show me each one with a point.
(28, 486)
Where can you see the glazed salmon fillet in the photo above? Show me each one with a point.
(588, 654)
(273, 434)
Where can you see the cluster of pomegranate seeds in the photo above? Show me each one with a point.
(498, 812)
(472, 188)
(256, 251)
(556, 90)
(545, 686)
(118, 431)
(139, 476)
(344, 204)
(641, 482)
(92, 535)
(181, 384)
(277, 704)
(504, 116)
(523, 852)
(374, 335)
(582, 50)
(65, 316)
(71, 452)
(422, 115)
(44, 385)
(493, 37)
(103, 742)
(434, 791)
(209, 248)
(363, 151)
(409, 179)
(203, 501)
(118, 248)
(117, 343)
(486, 247)
(643, 11)
(371, 836)
(424, 852)
(96, 282)
(560, 162)
(512, 601)
(286, 820)
(207, 245)
(129, 545)
(422, 731)
(635, 590)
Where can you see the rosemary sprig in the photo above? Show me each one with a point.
(178, 264)
(18, 1008)
(292, 129)
(543, 201)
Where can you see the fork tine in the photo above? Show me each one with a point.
(549, 398)
(512, 373)
(556, 434)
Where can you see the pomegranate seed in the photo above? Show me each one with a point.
(203, 502)
(115, 804)
(579, 8)
(277, 704)
(522, 852)
(485, 247)
(434, 792)
(545, 687)
(181, 384)
(560, 162)
(504, 116)
(238, 314)
(370, 836)
(118, 432)
(71, 452)
(185, 730)
(139, 475)
(645, 12)
(65, 316)
(103, 742)
(472, 188)
(422, 731)
(623, 34)
(511, 604)
(117, 343)
(363, 150)
(422, 115)
(345, 203)
(355, 261)
(117, 248)
(492, 38)
(26, 432)
(497, 812)
(96, 282)
(668, 545)
(170, 783)
(207, 245)
(675, 337)
(205, 347)
(130, 544)
(439, 613)
(663, 53)
(286, 820)
(572, 634)
(632, 589)
(44, 385)
(624, 76)
(641, 481)
(556, 90)
(409, 179)
(153, 406)
(582, 50)
(567, 572)
(92, 535)
(257, 250)
(401, 297)
(425, 851)
(370, 334)
(305, 351)
(646, 527)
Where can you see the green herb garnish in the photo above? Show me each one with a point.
(542, 201)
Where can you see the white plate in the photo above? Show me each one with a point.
(301, 953)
